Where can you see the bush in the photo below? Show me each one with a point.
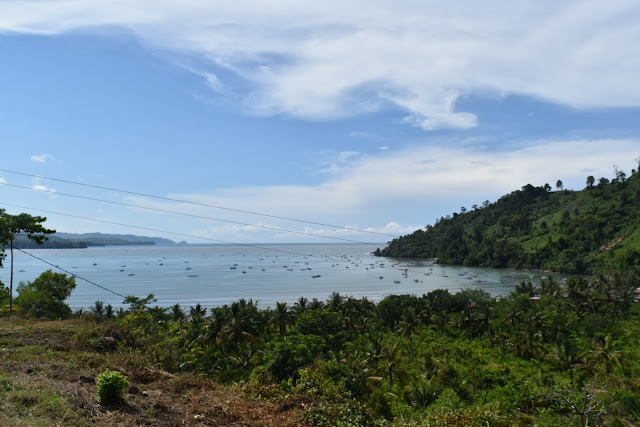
(44, 297)
(379, 405)
(286, 357)
(111, 386)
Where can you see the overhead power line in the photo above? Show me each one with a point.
(196, 203)
(164, 231)
(68, 272)
(184, 214)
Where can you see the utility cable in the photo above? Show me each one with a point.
(162, 231)
(196, 203)
(184, 214)
(167, 232)
(72, 274)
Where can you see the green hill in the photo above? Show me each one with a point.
(590, 231)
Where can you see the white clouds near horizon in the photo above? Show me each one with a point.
(397, 192)
(307, 61)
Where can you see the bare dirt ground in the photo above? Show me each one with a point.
(47, 377)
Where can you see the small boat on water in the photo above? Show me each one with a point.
(315, 277)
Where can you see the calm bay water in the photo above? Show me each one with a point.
(213, 275)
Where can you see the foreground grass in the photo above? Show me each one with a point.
(48, 371)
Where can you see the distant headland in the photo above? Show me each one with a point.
(85, 240)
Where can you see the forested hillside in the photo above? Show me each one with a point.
(589, 231)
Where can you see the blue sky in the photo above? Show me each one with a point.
(364, 115)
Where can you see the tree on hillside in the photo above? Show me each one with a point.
(282, 317)
(408, 327)
(559, 185)
(44, 297)
(590, 181)
(10, 226)
(4, 295)
(547, 187)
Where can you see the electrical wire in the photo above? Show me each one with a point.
(72, 274)
(159, 231)
(163, 231)
(196, 203)
(184, 214)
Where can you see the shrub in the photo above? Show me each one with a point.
(111, 386)
(45, 296)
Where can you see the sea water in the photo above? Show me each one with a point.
(214, 275)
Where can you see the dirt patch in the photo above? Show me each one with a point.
(48, 378)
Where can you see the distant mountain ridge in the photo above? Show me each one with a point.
(130, 238)
(594, 230)
(74, 241)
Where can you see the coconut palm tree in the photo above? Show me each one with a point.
(389, 357)
(281, 317)
(335, 301)
(239, 327)
(604, 353)
(177, 313)
(300, 306)
(408, 326)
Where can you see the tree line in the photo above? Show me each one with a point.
(585, 232)
(547, 353)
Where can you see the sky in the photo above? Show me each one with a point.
(283, 121)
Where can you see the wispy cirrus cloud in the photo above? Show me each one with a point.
(310, 62)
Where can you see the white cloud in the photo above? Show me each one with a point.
(308, 60)
(397, 192)
(42, 188)
(37, 186)
(3, 181)
(212, 80)
(41, 158)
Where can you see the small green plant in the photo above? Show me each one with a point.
(111, 386)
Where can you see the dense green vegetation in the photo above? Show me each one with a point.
(45, 296)
(553, 353)
(589, 231)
